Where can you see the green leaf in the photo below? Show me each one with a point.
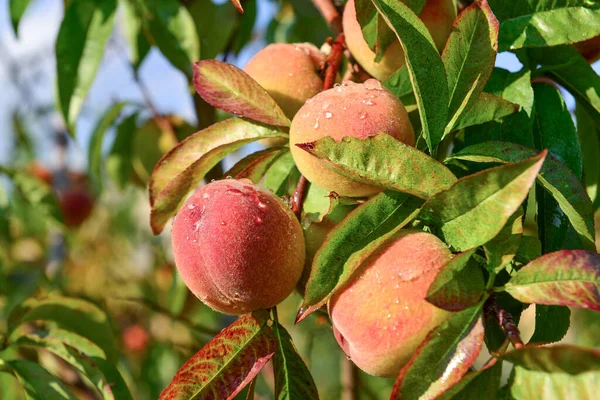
(568, 68)
(111, 373)
(425, 67)
(215, 25)
(459, 284)
(173, 31)
(375, 31)
(75, 315)
(564, 278)
(279, 172)
(443, 357)
(118, 164)
(545, 23)
(568, 359)
(227, 363)
(501, 250)
(350, 242)
(383, 161)
(555, 177)
(469, 58)
(533, 385)
(554, 128)
(292, 378)
(227, 87)
(83, 33)
(476, 208)
(96, 142)
(256, 165)
(486, 108)
(400, 85)
(184, 166)
(551, 323)
(38, 195)
(516, 128)
(75, 350)
(17, 9)
(476, 385)
(589, 138)
(243, 33)
(39, 384)
(133, 31)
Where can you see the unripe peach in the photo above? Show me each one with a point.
(381, 316)
(237, 246)
(437, 15)
(352, 109)
(289, 72)
(589, 49)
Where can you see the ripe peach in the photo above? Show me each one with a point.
(289, 72)
(590, 49)
(352, 109)
(237, 246)
(381, 316)
(135, 338)
(76, 204)
(438, 16)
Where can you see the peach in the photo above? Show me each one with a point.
(288, 72)
(76, 204)
(437, 15)
(590, 49)
(352, 109)
(237, 246)
(381, 316)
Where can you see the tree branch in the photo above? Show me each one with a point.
(331, 14)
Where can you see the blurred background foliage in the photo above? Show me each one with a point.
(139, 105)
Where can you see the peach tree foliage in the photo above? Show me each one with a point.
(500, 173)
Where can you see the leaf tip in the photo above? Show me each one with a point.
(309, 147)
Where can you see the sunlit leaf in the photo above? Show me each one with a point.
(227, 87)
(545, 22)
(476, 208)
(554, 176)
(424, 65)
(350, 242)
(486, 108)
(76, 315)
(501, 250)
(383, 161)
(567, 359)
(39, 384)
(458, 285)
(83, 33)
(96, 142)
(469, 58)
(227, 363)
(255, 165)
(292, 378)
(443, 357)
(565, 277)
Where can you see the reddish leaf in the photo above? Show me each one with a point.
(443, 357)
(238, 5)
(567, 359)
(565, 277)
(184, 166)
(230, 361)
(227, 87)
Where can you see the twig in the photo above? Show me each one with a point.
(332, 65)
(349, 379)
(505, 320)
(330, 13)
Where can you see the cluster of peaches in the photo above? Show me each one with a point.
(239, 247)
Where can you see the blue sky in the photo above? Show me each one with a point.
(33, 54)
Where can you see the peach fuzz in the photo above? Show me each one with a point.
(237, 246)
(380, 318)
(437, 15)
(288, 72)
(351, 109)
